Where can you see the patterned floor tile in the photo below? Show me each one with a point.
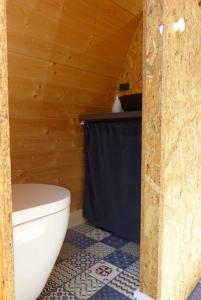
(83, 228)
(71, 235)
(83, 260)
(125, 283)
(96, 265)
(132, 248)
(97, 234)
(67, 250)
(100, 250)
(104, 271)
(63, 272)
(79, 240)
(60, 294)
(196, 294)
(83, 286)
(134, 268)
(120, 259)
(107, 293)
(114, 241)
(49, 287)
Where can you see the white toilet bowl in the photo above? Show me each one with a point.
(40, 221)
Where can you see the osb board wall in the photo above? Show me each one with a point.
(132, 68)
(151, 148)
(6, 250)
(65, 58)
(171, 171)
(180, 222)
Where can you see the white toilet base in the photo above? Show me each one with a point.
(36, 246)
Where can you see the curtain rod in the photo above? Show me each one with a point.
(110, 117)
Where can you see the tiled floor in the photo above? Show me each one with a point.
(94, 264)
(196, 294)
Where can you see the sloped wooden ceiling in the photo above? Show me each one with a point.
(64, 58)
(132, 6)
(132, 67)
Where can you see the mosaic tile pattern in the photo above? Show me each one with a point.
(100, 250)
(97, 234)
(63, 272)
(125, 283)
(49, 287)
(84, 228)
(83, 286)
(107, 293)
(134, 268)
(71, 235)
(132, 249)
(94, 264)
(60, 294)
(79, 240)
(114, 241)
(83, 260)
(68, 250)
(120, 259)
(104, 271)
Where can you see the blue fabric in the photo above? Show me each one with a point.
(113, 177)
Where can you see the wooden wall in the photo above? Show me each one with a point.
(65, 58)
(6, 247)
(171, 214)
(132, 67)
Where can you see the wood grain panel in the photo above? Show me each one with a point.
(171, 211)
(65, 55)
(82, 36)
(132, 69)
(6, 244)
(65, 58)
(151, 149)
(180, 153)
(134, 7)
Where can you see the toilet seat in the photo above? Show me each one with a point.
(43, 200)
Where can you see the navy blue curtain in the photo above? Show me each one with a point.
(113, 177)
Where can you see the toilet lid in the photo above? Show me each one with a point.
(33, 201)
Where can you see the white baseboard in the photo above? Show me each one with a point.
(76, 218)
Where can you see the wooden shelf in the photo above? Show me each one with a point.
(111, 117)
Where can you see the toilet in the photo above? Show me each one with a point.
(40, 220)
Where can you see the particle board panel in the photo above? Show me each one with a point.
(171, 167)
(151, 147)
(180, 220)
(62, 62)
(6, 244)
